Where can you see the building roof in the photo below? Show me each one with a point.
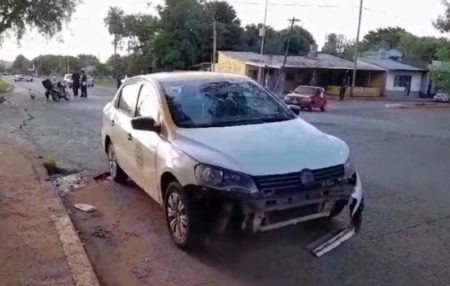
(322, 61)
(187, 76)
(388, 64)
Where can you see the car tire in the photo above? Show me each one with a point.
(310, 108)
(117, 174)
(66, 95)
(322, 109)
(55, 96)
(185, 217)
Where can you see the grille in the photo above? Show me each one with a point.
(292, 181)
(284, 215)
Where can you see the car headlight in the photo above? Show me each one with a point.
(349, 168)
(229, 181)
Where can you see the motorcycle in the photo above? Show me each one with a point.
(55, 91)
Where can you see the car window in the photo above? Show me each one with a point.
(128, 98)
(148, 102)
(306, 90)
(195, 104)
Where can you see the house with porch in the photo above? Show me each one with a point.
(318, 69)
(401, 80)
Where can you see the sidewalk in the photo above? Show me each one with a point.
(35, 247)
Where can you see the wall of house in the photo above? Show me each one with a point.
(229, 65)
(378, 80)
(395, 91)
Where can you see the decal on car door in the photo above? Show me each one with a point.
(139, 155)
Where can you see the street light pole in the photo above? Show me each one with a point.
(356, 48)
(263, 38)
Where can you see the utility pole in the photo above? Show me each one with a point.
(286, 53)
(355, 67)
(115, 57)
(214, 46)
(263, 38)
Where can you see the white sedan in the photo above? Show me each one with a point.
(218, 150)
(441, 97)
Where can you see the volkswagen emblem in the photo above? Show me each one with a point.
(307, 177)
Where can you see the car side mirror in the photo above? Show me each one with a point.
(295, 109)
(145, 124)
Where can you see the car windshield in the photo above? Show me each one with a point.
(306, 90)
(196, 104)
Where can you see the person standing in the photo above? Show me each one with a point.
(343, 89)
(84, 84)
(75, 83)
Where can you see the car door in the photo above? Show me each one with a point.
(145, 143)
(121, 130)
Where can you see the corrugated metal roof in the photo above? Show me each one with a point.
(389, 64)
(322, 61)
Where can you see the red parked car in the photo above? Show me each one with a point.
(307, 97)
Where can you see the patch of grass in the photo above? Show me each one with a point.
(51, 166)
(3, 85)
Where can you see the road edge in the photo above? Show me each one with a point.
(80, 267)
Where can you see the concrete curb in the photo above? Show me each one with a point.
(380, 99)
(82, 272)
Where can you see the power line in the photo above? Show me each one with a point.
(294, 4)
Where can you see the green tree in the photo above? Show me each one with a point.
(334, 44)
(442, 23)
(49, 64)
(441, 72)
(46, 16)
(301, 40)
(21, 64)
(386, 38)
(87, 60)
(114, 22)
(228, 27)
(102, 70)
(275, 41)
(179, 43)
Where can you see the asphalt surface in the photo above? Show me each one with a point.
(403, 157)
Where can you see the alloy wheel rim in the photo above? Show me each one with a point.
(176, 214)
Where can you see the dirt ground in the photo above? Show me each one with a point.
(30, 252)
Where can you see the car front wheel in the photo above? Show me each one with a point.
(117, 174)
(185, 217)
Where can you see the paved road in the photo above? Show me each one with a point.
(403, 156)
(68, 132)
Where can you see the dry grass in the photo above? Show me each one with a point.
(3, 85)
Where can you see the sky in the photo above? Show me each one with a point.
(87, 34)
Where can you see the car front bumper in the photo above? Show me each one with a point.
(259, 213)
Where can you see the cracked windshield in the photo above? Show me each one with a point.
(224, 142)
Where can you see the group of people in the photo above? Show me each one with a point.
(80, 80)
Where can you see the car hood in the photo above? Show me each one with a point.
(263, 149)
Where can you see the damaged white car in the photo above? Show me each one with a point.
(217, 151)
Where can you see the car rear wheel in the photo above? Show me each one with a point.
(185, 218)
(322, 109)
(117, 174)
(55, 96)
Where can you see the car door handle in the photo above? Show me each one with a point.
(130, 137)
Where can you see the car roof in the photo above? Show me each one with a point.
(189, 76)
